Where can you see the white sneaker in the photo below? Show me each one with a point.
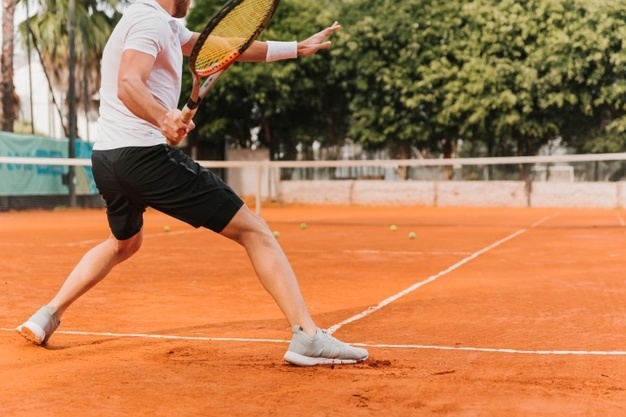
(305, 350)
(40, 325)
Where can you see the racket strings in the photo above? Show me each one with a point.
(231, 35)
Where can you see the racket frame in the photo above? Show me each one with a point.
(199, 91)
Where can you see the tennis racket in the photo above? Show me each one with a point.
(225, 37)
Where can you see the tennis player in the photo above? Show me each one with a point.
(134, 168)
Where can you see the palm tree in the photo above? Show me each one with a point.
(49, 32)
(7, 88)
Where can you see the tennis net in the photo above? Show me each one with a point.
(30, 182)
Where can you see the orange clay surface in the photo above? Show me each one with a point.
(487, 312)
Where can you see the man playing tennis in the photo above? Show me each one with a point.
(134, 169)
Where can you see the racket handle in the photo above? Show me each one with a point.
(187, 114)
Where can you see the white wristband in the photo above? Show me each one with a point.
(281, 50)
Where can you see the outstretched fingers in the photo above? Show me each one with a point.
(318, 41)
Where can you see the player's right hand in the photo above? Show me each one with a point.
(174, 128)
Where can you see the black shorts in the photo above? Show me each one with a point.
(166, 179)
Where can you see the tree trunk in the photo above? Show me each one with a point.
(448, 148)
(267, 131)
(401, 150)
(7, 88)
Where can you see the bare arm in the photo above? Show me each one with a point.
(186, 48)
(135, 68)
(257, 52)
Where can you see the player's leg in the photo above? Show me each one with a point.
(309, 345)
(125, 218)
(90, 270)
(271, 266)
(93, 267)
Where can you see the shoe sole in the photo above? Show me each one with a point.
(29, 335)
(300, 360)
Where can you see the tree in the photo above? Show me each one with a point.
(493, 94)
(505, 76)
(381, 54)
(596, 69)
(564, 61)
(8, 89)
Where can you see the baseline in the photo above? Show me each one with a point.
(368, 345)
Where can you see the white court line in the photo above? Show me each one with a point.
(432, 278)
(377, 252)
(428, 280)
(376, 345)
(622, 222)
(401, 252)
(500, 350)
(545, 219)
(164, 336)
(88, 242)
(363, 252)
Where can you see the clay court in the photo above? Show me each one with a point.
(487, 312)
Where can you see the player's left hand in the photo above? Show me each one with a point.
(318, 41)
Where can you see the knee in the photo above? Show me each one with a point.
(257, 231)
(248, 229)
(127, 248)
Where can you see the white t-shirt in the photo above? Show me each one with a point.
(148, 28)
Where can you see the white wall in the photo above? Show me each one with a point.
(455, 193)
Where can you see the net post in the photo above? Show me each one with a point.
(259, 171)
(71, 181)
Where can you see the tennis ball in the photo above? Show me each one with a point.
(411, 235)
(302, 226)
(276, 234)
(393, 227)
(166, 228)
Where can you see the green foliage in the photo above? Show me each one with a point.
(382, 56)
(507, 74)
